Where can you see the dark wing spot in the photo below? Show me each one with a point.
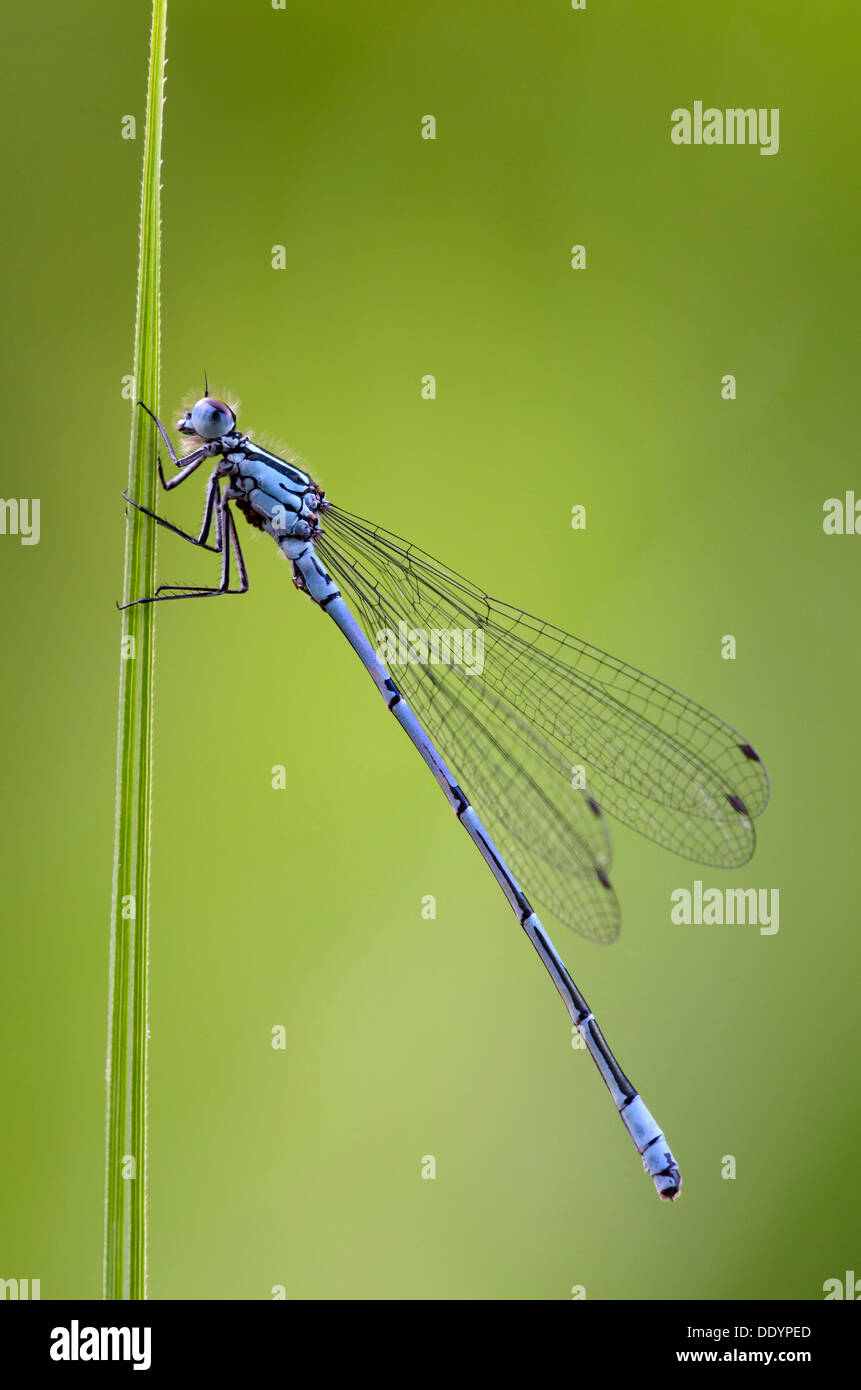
(593, 805)
(737, 805)
(750, 752)
(602, 877)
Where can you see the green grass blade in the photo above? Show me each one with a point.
(125, 1241)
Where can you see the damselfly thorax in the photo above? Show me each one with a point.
(273, 494)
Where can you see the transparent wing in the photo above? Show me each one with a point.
(553, 837)
(538, 704)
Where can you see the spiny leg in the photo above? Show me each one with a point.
(227, 539)
(163, 432)
(201, 538)
(189, 464)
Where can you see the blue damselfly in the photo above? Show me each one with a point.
(511, 726)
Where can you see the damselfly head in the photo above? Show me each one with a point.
(208, 419)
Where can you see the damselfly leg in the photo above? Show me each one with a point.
(227, 541)
(201, 538)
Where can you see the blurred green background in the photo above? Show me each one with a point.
(302, 907)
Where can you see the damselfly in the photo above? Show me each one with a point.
(511, 726)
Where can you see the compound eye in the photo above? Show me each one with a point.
(210, 418)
